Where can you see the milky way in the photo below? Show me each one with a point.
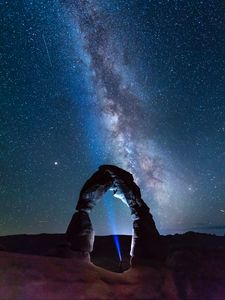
(138, 84)
(121, 109)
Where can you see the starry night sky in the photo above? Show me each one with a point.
(139, 84)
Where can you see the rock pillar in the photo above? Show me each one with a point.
(80, 233)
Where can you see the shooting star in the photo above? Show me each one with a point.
(46, 47)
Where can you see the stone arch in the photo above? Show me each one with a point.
(145, 236)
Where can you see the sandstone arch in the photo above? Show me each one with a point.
(80, 233)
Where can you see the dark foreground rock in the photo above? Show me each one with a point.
(191, 267)
(182, 277)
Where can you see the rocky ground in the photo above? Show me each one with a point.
(192, 266)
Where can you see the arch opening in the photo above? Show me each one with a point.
(111, 216)
(113, 229)
(80, 233)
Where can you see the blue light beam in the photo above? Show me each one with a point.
(117, 243)
(112, 220)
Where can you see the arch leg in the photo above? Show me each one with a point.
(145, 243)
(80, 233)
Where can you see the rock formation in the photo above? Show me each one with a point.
(80, 234)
